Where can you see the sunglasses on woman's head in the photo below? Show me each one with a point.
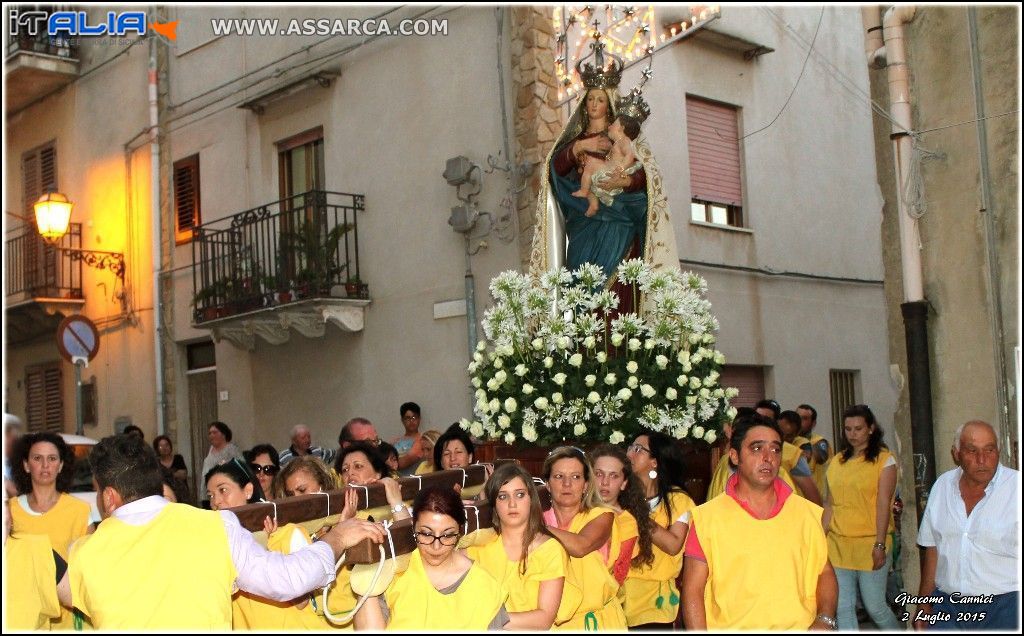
(269, 469)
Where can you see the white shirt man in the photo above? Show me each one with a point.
(971, 536)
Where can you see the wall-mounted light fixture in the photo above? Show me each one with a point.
(53, 217)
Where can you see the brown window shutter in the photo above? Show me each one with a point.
(44, 398)
(186, 198)
(39, 174)
(48, 168)
(748, 380)
(713, 132)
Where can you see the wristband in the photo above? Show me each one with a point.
(828, 620)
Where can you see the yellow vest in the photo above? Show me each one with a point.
(818, 470)
(173, 573)
(723, 471)
(31, 599)
(853, 485)
(599, 608)
(416, 605)
(547, 561)
(762, 574)
(255, 613)
(63, 524)
(650, 593)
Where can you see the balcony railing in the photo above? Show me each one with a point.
(302, 247)
(35, 269)
(61, 47)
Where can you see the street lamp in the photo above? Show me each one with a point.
(53, 217)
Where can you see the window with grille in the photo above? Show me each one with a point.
(843, 389)
(44, 398)
(715, 175)
(186, 198)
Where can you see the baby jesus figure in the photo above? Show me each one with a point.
(621, 161)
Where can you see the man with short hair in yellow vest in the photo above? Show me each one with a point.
(756, 556)
(821, 451)
(154, 565)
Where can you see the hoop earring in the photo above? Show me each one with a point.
(653, 474)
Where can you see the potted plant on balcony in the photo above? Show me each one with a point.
(318, 252)
(204, 301)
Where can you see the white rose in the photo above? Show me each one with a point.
(648, 344)
(616, 437)
(521, 370)
(670, 393)
(576, 359)
(548, 361)
(506, 350)
(708, 338)
(537, 344)
(579, 429)
(710, 437)
(478, 357)
(602, 357)
(483, 405)
(476, 382)
(480, 393)
(481, 345)
(559, 379)
(589, 342)
(556, 398)
(510, 437)
(661, 361)
(527, 389)
(731, 413)
(590, 380)
(694, 338)
(632, 366)
(719, 357)
(694, 383)
(648, 391)
(698, 432)
(683, 357)
(472, 368)
(732, 392)
(632, 382)
(705, 394)
(682, 380)
(498, 363)
(510, 405)
(504, 421)
(687, 367)
(624, 394)
(718, 393)
(696, 358)
(494, 405)
(691, 399)
(563, 342)
(500, 377)
(617, 339)
(476, 429)
(634, 344)
(492, 384)
(529, 433)
(593, 397)
(610, 379)
(541, 403)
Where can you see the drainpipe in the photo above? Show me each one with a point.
(914, 307)
(995, 300)
(874, 47)
(154, 204)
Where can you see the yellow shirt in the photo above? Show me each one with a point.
(424, 468)
(762, 573)
(723, 471)
(853, 486)
(599, 608)
(255, 613)
(173, 573)
(63, 524)
(31, 598)
(545, 562)
(650, 593)
(416, 605)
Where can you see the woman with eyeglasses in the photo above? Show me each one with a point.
(861, 484)
(650, 591)
(265, 463)
(583, 525)
(442, 589)
(230, 485)
(522, 555)
(620, 490)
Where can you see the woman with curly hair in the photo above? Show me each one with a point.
(651, 592)
(620, 490)
(42, 466)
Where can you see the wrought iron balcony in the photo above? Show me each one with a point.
(36, 270)
(282, 253)
(36, 64)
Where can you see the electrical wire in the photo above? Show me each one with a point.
(770, 272)
(963, 123)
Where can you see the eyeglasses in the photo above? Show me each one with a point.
(269, 469)
(426, 538)
(411, 417)
(636, 448)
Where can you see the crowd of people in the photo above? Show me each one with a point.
(786, 539)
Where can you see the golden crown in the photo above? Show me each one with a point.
(634, 106)
(596, 75)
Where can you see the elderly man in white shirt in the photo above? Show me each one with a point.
(970, 534)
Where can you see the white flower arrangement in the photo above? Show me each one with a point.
(554, 366)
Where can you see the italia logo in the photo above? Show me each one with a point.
(72, 24)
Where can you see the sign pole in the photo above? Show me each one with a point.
(79, 426)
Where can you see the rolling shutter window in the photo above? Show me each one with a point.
(44, 398)
(39, 175)
(749, 381)
(713, 132)
(186, 198)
